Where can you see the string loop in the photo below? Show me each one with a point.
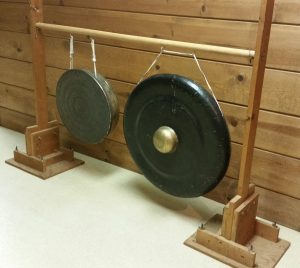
(152, 64)
(176, 53)
(71, 51)
(206, 80)
(94, 56)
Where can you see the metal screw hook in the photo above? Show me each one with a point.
(274, 224)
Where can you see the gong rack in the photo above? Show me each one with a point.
(237, 238)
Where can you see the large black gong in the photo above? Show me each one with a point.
(177, 135)
(87, 105)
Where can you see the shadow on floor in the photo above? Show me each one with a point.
(188, 207)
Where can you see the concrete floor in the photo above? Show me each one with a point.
(99, 215)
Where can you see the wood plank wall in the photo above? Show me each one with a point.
(230, 23)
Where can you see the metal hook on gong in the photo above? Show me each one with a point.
(94, 59)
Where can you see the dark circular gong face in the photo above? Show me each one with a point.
(177, 135)
(84, 105)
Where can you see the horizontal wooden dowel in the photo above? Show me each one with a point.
(145, 40)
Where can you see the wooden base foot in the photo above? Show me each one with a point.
(47, 166)
(44, 157)
(259, 251)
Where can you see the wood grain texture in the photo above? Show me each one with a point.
(15, 120)
(273, 127)
(256, 86)
(51, 165)
(244, 220)
(271, 171)
(185, 29)
(21, 76)
(271, 205)
(266, 230)
(275, 172)
(280, 92)
(286, 10)
(39, 65)
(175, 28)
(226, 248)
(268, 253)
(160, 26)
(14, 17)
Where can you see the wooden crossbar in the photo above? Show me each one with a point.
(145, 40)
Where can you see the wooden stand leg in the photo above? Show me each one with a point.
(253, 243)
(44, 157)
(240, 240)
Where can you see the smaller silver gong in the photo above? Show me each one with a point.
(87, 105)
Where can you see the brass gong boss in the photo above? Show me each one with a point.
(165, 140)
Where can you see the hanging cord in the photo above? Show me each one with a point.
(152, 64)
(94, 56)
(201, 71)
(176, 53)
(71, 51)
(206, 80)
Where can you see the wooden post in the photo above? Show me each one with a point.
(38, 61)
(242, 240)
(258, 72)
(257, 78)
(44, 157)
